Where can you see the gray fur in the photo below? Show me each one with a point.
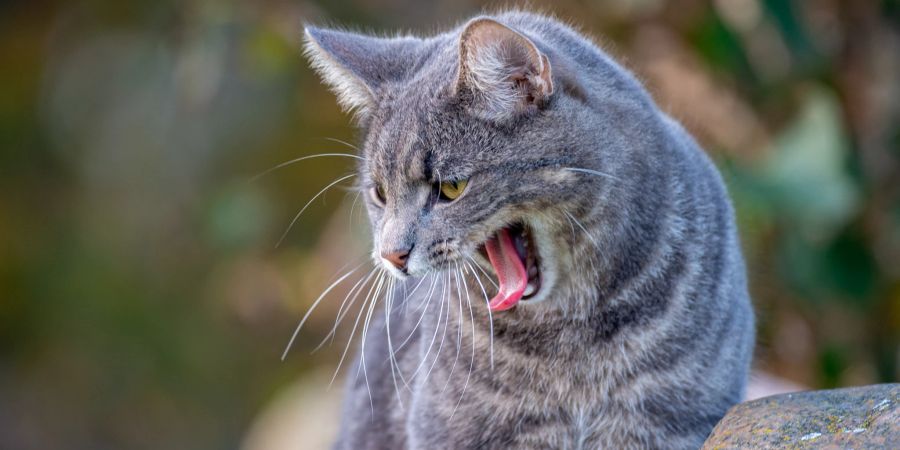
(642, 334)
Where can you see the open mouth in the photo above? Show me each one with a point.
(513, 255)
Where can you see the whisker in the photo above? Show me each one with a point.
(302, 158)
(445, 287)
(362, 308)
(343, 142)
(490, 315)
(583, 229)
(284, 235)
(458, 328)
(418, 323)
(471, 360)
(456, 275)
(387, 323)
(365, 331)
(446, 326)
(575, 266)
(588, 234)
(421, 316)
(354, 292)
(592, 172)
(406, 295)
(345, 266)
(487, 275)
(571, 224)
(352, 208)
(313, 307)
(368, 319)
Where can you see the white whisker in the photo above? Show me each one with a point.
(416, 326)
(471, 360)
(592, 172)
(362, 308)
(437, 327)
(339, 317)
(343, 142)
(284, 235)
(362, 355)
(352, 208)
(487, 275)
(588, 234)
(302, 158)
(395, 368)
(421, 316)
(406, 296)
(313, 307)
(368, 319)
(458, 328)
(490, 315)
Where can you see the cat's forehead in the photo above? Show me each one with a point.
(393, 146)
(413, 136)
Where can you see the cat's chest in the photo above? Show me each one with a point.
(495, 424)
(522, 407)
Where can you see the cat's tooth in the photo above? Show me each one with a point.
(529, 289)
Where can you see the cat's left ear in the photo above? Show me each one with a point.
(357, 66)
(502, 70)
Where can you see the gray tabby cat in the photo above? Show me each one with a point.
(583, 280)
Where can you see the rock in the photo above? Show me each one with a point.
(865, 417)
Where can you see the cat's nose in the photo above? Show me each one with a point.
(397, 258)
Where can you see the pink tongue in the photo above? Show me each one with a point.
(509, 269)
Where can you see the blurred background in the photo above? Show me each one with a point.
(145, 304)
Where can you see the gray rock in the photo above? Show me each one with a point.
(865, 417)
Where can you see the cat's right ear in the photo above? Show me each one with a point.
(502, 71)
(356, 66)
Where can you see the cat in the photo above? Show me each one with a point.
(559, 261)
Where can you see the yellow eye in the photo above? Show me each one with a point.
(451, 190)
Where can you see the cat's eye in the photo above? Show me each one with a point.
(451, 190)
(378, 195)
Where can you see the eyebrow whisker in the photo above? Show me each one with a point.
(302, 158)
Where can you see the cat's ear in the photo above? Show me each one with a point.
(503, 71)
(356, 66)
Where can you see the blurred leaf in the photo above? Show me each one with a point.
(832, 363)
(850, 267)
(806, 171)
(844, 269)
(721, 48)
(791, 29)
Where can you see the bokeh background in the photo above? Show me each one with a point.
(144, 304)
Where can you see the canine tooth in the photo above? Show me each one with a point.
(529, 289)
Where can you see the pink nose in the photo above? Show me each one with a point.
(398, 258)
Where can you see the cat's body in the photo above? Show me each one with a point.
(641, 333)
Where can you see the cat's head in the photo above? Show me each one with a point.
(475, 152)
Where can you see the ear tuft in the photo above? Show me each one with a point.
(358, 67)
(328, 61)
(503, 70)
